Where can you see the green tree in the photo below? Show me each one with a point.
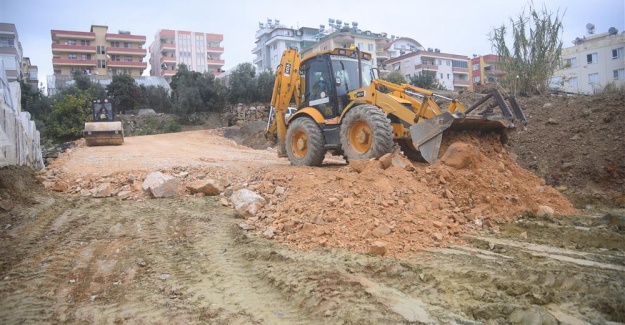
(426, 80)
(156, 98)
(124, 92)
(264, 86)
(68, 116)
(242, 84)
(195, 92)
(535, 52)
(396, 78)
(34, 102)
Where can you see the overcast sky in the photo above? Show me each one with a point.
(457, 27)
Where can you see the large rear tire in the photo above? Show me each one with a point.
(305, 142)
(366, 133)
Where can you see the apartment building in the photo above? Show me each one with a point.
(342, 35)
(11, 51)
(483, 70)
(450, 70)
(201, 52)
(592, 63)
(30, 73)
(273, 38)
(98, 52)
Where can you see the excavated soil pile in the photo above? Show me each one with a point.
(576, 143)
(251, 134)
(371, 206)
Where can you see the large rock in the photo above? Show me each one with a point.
(206, 186)
(103, 190)
(246, 202)
(160, 185)
(460, 155)
(544, 210)
(378, 248)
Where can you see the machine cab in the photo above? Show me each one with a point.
(330, 76)
(103, 110)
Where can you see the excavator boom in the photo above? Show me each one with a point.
(286, 87)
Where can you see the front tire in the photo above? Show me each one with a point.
(305, 142)
(366, 133)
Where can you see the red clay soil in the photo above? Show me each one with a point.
(405, 209)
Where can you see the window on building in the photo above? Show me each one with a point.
(85, 42)
(127, 45)
(569, 63)
(476, 66)
(116, 57)
(128, 58)
(619, 74)
(101, 63)
(438, 62)
(360, 46)
(396, 67)
(72, 56)
(459, 64)
(114, 44)
(101, 49)
(572, 82)
(406, 63)
(448, 76)
(476, 79)
(591, 58)
(617, 53)
(593, 78)
(448, 63)
(71, 42)
(370, 47)
(85, 56)
(7, 42)
(407, 77)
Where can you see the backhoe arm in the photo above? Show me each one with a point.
(286, 86)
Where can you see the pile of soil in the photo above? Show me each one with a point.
(251, 134)
(576, 144)
(404, 207)
(17, 185)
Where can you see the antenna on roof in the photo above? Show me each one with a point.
(590, 28)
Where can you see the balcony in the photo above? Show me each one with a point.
(461, 70)
(382, 55)
(344, 38)
(61, 48)
(426, 67)
(215, 62)
(168, 59)
(495, 72)
(256, 49)
(258, 59)
(124, 50)
(214, 37)
(461, 82)
(214, 49)
(59, 34)
(167, 33)
(126, 64)
(168, 73)
(125, 38)
(81, 63)
(167, 47)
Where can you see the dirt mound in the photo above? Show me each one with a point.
(251, 134)
(576, 144)
(17, 184)
(405, 208)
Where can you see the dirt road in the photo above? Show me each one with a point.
(69, 258)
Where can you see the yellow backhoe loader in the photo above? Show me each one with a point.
(343, 108)
(104, 130)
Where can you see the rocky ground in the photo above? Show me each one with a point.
(473, 239)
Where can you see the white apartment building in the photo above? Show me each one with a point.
(201, 52)
(592, 63)
(450, 70)
(11, 51)
(273, 38)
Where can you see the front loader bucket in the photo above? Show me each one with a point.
(427, 135)
(103, 133)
